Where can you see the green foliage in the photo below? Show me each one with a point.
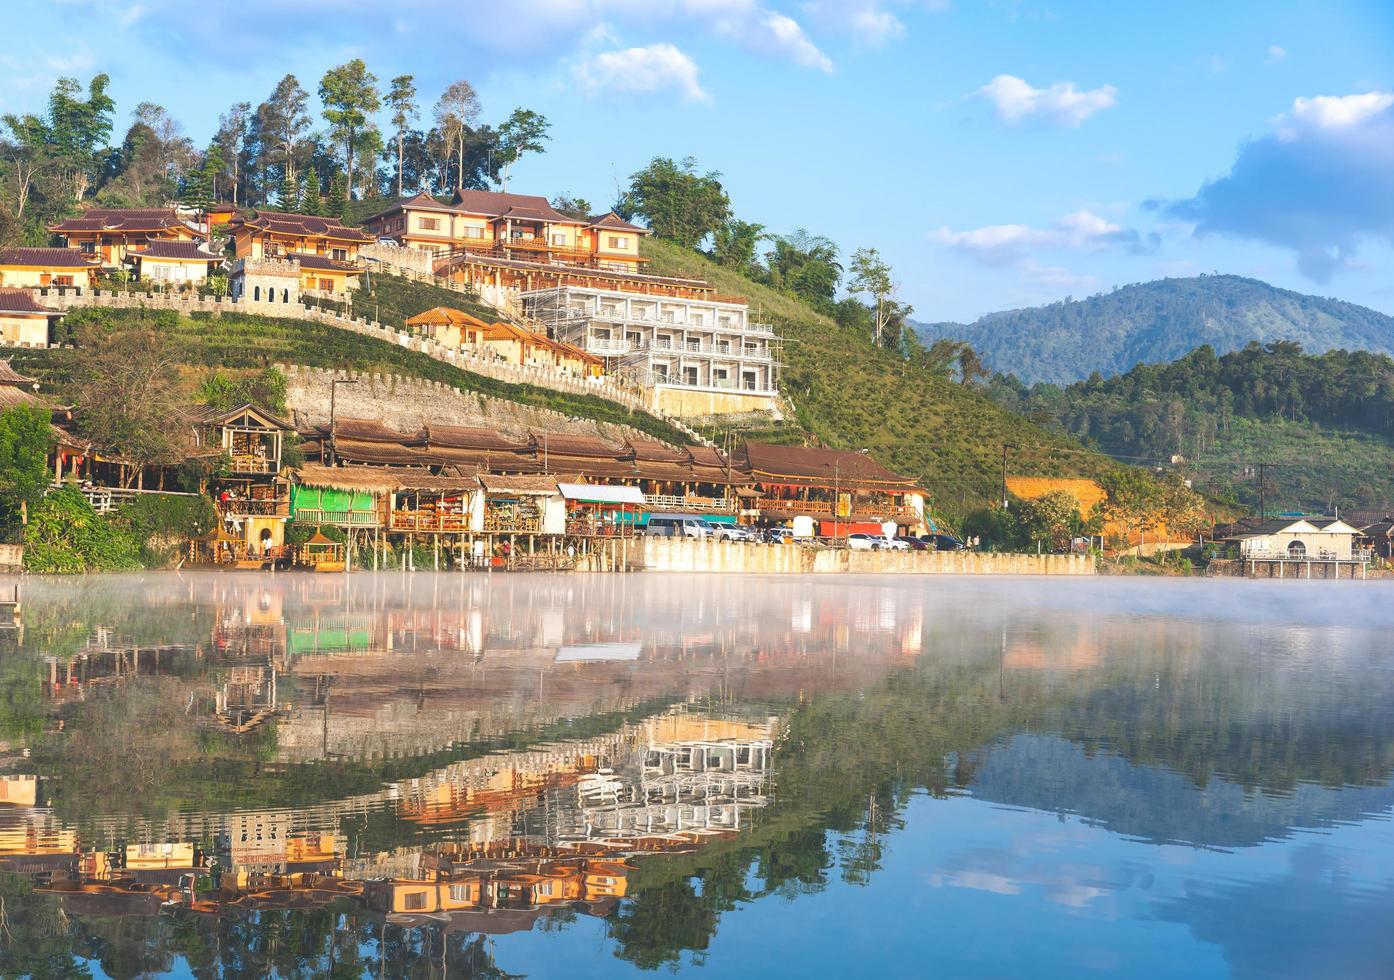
(1324, 423)
(65, 535)
(678, 203)
(848, 393)
(805, 266)
(350, 97)
(522, 132)
(1153, 322)
(25, 440)
(265, 389)
(573, 207)
(161, 523)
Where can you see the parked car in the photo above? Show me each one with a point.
(676, 526)
(943, 542)
(731, 532)
(915, 544)
(384, 240)
(874, 542)
(778, 535)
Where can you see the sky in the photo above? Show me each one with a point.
(999, 154)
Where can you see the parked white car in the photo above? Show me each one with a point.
(731, 532)
(874, 542)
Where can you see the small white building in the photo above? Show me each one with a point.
(1299, 539)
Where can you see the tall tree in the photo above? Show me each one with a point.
(872, 275)
(456, 111)
(523, 132)
(401, 99)
(572, 207)
(282, 121)
(26, 150)
(350, 96)
(805, 265)
(734, 243)
(79, 128)
(677, 202)
(25, 440)
(231, 140)
(197, 191)
(312, 202)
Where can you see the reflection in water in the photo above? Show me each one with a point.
(463, 775)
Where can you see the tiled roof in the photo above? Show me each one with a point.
(52, 258)
(653, 450)
(322, 262)
(611, 220)
(445, 314)
(464, 437)
(22, 301)
(495, 204)
(770, 463)
(519, 484)
(572, 445)
(193, 251)
(284, 223)
(121, 219)
(367, 430)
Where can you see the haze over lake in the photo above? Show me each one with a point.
(472, 775)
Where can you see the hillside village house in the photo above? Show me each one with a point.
(510, 226)
(701, 355)
(511, 343)
(24, 322)
(109, 233)
(324, 249)
(40, 268)
(251, 496)
(173, 262)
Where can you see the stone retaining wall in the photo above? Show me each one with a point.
(688, 555)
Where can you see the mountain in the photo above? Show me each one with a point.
(1153, 322)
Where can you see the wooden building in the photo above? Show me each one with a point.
(252, 496)
(42, 268)
(173, 261)
(325, 249)
(108, 234)
(24, 321)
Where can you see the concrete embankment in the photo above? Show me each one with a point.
(686, 555)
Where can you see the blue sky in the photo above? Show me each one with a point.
(1000, 154)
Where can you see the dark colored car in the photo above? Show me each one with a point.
(942, 542)
(916, 544)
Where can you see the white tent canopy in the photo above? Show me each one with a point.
(596, 493)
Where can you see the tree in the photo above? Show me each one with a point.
(573, 207)
(523, 132)
(231, 139)
(78, 128)
(401, 99)
(678, 203)
(1052, 518)
(127, 384)
(806, 266)
(198, 185)
(970, 365)
(312, 203)
(734, 243)
(349, 93)
(337, 204)
(1133, 498)
(282, 121)
(26, 150)
(26, 436)
(872, 275)
(456, 111)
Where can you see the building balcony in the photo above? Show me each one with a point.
(246, 507)
(428, 522)
(339, 518)
(706, 505)
(254, 463)
(719, 384)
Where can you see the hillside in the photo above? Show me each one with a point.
(1154, 322)
(1322, 425)
(850, 394)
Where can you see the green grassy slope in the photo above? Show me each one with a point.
(1153, 322)
(850, 394)
(237, 341)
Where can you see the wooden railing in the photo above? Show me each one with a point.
(427, 522)
(246, 463)
(661, 502)
(339, 518)
(512, 525)
(251, 507)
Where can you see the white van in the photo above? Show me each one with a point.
(676, 526)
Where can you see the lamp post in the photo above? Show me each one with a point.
(333, 391)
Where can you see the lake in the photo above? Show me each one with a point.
(603, 775)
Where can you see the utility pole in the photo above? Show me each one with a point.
(1005, 447)
(1262, 494)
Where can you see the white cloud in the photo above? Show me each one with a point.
(1000, 245)
(640, 71)
(1062, 104)
(776, 34)
(1276, 53)
(1331, 112)
(132, 14)
(875, 26)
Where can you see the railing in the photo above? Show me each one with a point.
(106, 499)
(512, 525)
(1320, 555)
(598, 529)
(661, 502)
(424, 521)
(798, 506)
(245, 507)
(244, 463)
(339, 518)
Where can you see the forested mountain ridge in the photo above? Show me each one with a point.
(1323, 424)
(1155, 322)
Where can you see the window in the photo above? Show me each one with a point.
(558, 239)
(430, 224)
(88, 247)
(460, 893)
(285, 295)
(618, 241)
(326, 285)
(414, 902)
(339, 254)
(474, 232)
(62, 280)
(256, 294)
(690, 375)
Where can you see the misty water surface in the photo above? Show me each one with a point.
(421, 775)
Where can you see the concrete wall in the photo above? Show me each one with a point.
(695, 403)
(685, 555)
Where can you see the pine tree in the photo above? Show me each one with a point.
(338, 196)
(289, 194)
(312, 202)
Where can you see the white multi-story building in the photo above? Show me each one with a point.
(701, 355)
